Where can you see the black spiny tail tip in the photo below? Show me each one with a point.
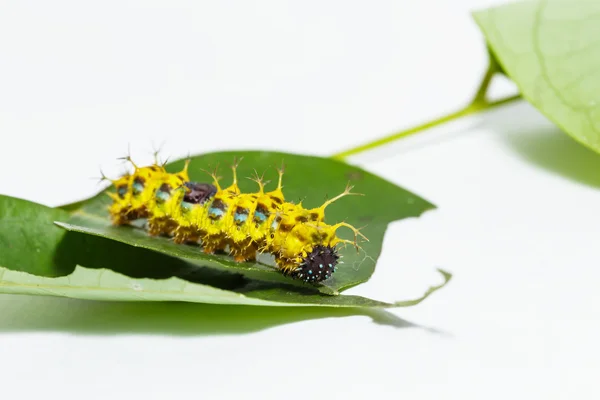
(318, 265)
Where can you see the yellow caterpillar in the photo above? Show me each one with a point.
(224, 219)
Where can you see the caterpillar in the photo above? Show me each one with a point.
(226, 220)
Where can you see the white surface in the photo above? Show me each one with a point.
(516, 221)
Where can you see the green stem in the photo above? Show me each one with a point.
(478, 104)
(480, 95)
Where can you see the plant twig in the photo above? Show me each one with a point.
(478, 104)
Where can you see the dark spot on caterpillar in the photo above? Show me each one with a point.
(199, 193)
(121, 191)
(154, 168)
(301, 218)
(165, 187)
(301, 238)
(138, 185)
(217, 209)
(163, 193)
(218, 203)
(314, 216)
(240, 216)
(276, 200)
(137, 214)
(261, 214)
(319, 237)
(318, 265)
(285, 228)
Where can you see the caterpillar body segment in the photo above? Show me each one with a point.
(225, 219)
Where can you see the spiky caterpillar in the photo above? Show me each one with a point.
(224, 219)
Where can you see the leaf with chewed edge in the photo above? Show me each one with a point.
(37, 257)
(307, 178)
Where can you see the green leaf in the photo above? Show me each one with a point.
(550, 49)
(29, 241)
(38, 257)
(310, 179)
(105, 284)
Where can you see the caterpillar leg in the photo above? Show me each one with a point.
(288, 267)
(186, 234)
(135, 213)
(119, 218)
(212, 244)
(244, 251)
(162, 226)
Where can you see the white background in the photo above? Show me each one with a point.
(517, 220)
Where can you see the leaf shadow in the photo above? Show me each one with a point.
(22, 313)
(97, 252)
(538, 141)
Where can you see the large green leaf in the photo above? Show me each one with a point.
(311, 179)
(103, 284)
(38, 257)
(550, 49)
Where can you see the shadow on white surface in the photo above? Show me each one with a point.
(48, 314)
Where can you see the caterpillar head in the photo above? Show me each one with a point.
(318, 265)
